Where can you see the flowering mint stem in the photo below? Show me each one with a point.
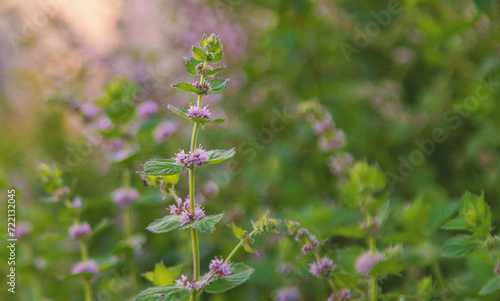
(318, 258)
(127, 221)
(194, 233)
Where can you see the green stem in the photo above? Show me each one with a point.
(128, 229)
(194, 233)
(439, 275)
(373, 249)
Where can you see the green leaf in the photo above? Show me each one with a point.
(476, 212)
(239, 274)
(217, 85)
(162, 167)
(217, 57)
(484, 5)
(238, 232)
(165, 224)
(206, 224)
(351, 231)
(214, 71)
(219, 155)
(457, 224)
(249, 249)
(346, 280)
(172, 293)
(440, 214)
(387, 267)
(103, 224)
(199, 54)
(491, 286)
(191, 66)
(163, 275)
(184, 114)
(187, 88)
(460, 246)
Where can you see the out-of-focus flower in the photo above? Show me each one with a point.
(116, 145)
(125, 196)
(219, 268)
(341, 295)
(77, 203)
(147, 109)
(322, 268)
(403, 56)
(104, 124)
(211, 188)
(78, 231)
(164, 130)
(288, 294)
(88, 266)
(339, 163)
(366, 261)
(89, 110)
(22, 230)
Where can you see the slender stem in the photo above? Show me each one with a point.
(373, 249)
(172, 192)
(194, 233)
(128, 229)
(437, 272)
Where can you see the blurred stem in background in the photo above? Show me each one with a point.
(373, 249)
(127, 221)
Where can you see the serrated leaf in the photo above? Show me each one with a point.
(163, 275)
(491, 286)
(199, 54)
(206, 224)
(460, 246)
(171, 291)
(457, 224)
(387, 267)
(217, 57)
(165, 224)
(191, 66)
(238, 232)
(161, 167)
(214, 71)
(149, 276)
(217, 85)
(219, 155)
(239, 274)
(184, 114)
(187, 88)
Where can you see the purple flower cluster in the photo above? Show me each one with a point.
(23, 229)
(104, 124)
(147, 109)
(341, 295)
(192, 159)
(188, 284)
(88, 266)
(77, 203)
(199, 112)
(322, 268)
(219, 268)
(78, 231)
(204, 89)
(183, 209)
(89, 110)
(164, 130)
(124, 197)
(339, 163)
(312, 244)
(366, 261)
(288, 294)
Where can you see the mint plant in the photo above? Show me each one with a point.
(186, 214)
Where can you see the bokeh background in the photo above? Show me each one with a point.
(391, 74)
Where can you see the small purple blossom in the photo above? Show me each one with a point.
(301, 234)
(184, 282)
(78, 231)
(338, 164)
(341, 295)
(366, 261)
(312, 244)
(204, 89)
(89, 266)
(124, 197)
(192, 159)
(199, 112)
(327, 143)
(147, 109)
(183, 209)
(116, 145)
(89, 110)
(322, 268)
(164, 130)
(77, 203)
(104, 124)
(219, 268)
(288, 294)
(22, 230)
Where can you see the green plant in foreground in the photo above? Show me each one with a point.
(187, 214)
